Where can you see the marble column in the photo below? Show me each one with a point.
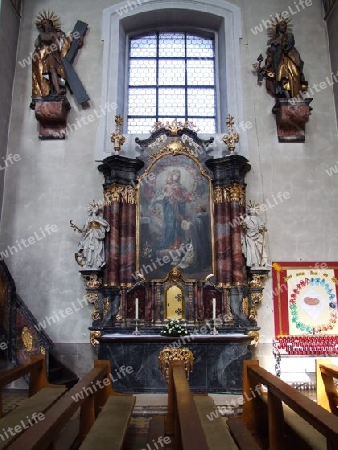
(112, 244)
(237, 198)
(229, 198)
(120, 176)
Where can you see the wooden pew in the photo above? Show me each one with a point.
(188, 421)
(41, 396)
(287, 418)
(104, 415)
(326, 391)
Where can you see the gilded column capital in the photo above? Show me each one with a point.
(118, 193)
(237, 193)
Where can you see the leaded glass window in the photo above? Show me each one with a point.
(171, 75)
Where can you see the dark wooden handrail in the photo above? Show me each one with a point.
(14, 373)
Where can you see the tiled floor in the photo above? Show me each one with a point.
(11, 398)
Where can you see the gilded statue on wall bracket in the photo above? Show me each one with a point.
(52, 71)
(285, 81)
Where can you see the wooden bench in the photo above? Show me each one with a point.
(41, 396)
(188, 422)
(104, 415)
(284, 418)
(326, 391)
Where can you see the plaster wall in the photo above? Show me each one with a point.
(332, 28)
(9, 30)
(55, 180)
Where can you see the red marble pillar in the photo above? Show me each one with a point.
(128, 244)
(222, 236)
(236, 195)
(228, 242)
(112, 210)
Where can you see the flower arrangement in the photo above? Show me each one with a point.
(175, 328)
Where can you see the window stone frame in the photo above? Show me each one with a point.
(134, 16)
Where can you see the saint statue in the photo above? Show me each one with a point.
(91, 253)
(283, 63)
(253, 239)
(52, 57)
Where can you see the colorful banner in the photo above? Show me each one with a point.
(305, 298)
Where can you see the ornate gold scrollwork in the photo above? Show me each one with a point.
(112, 194)
(232, 137)
(160, 140)
(117, 193)
(95, 314)
(245, 306)
(27, 339)
(256, 298)
(175, 148)
(175, 354)
(93, 281)
(94, 336)
(105, 306)
(237, 193)
(42, 350)
(255, 337)
(174, 127)
(257, 281)
(174, 275)
(92, 297)
(218, 195)
(117, 138)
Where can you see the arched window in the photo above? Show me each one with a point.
(171, 75)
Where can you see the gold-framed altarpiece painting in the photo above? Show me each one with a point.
(175, 219)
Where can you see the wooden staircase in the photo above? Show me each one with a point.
(21, 336)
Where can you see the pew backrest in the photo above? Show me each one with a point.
(326, 390)
(279, 393)
(90, 394)
(183, 421)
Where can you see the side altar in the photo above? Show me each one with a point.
(172, 228)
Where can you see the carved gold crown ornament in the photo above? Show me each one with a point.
(168, 354)
(174, 127)
(117, 138)
(231, 138)
(51, 17)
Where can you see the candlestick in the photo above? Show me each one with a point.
(136, 308)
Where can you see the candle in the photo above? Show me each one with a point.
(214, 308)
(136, 308)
